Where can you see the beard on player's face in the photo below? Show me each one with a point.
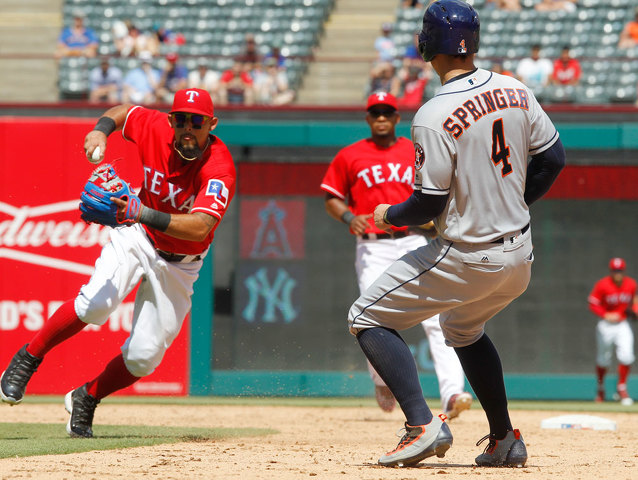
(188, 146)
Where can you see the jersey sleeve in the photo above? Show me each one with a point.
(216, 185)
(543, 133)
(595, 301)
(335, 181)
(434, 161)
(137, 125)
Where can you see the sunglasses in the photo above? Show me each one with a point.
(196, 120)
(385, 112)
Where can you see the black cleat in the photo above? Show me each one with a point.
(508, 452)
(15, 378)
(81, 406)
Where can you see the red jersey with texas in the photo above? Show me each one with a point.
(365, 175)
(607, 297)
(174, 185)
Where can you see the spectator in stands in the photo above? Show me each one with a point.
(384, 44)
(164, 36)
(174, 77)
(77, 40)
(236, 85)
(140, 84)
(535, 71)
(275, 52)
(629, 34)
(271, 87)
(552, 5)
(497, 67)
(511, 5)
(105, 83)
(566, 69)
(383, 78)
(206, 79)
(135, 42)
(411, 55)
(413, 87)
(250, 53)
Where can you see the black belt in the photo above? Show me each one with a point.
(177, 257)
(173, 257)
(502, 239)
(385, 236)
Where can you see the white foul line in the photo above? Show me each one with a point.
(46, 261)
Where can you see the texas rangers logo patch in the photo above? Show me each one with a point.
(217, 189)
(419, 156)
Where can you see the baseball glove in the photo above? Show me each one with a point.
(96, 205)
(631, 313)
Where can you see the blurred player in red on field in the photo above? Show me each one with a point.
(612, 299)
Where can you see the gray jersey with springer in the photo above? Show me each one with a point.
(472, 141)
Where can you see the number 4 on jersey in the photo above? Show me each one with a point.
(500, 150)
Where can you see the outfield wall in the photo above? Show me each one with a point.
(269, 312)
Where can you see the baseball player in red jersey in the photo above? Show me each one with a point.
(380, 169)
(611, 299)
(189, 181)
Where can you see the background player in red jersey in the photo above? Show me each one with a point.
(189, 181)
(376, 170)
(611, 298)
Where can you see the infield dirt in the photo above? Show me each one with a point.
(327, 443)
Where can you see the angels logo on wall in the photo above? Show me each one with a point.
(272, 229)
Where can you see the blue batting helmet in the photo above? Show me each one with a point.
(450, 27)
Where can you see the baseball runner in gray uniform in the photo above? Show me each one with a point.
(473, 176)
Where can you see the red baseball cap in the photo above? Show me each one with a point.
(193, 100)
(617, 264)
(382, 98)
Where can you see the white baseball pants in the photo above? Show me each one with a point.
(161, 303)
(373, 257)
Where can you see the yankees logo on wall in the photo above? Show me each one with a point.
(419, 156)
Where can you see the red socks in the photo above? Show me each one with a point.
(600, 374)
(62, 325)
(113, 378)
(623, 373)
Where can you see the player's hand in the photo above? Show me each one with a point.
(379, 212)
(95, 139)
(359, 224)
(129, 209)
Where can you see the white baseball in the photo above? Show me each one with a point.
(95, 158)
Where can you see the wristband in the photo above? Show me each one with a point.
(385, 216)
(106, 125)
(347, 217)
(155, 219)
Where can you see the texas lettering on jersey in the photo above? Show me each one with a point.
(154, 182)
(391, 172)
(482, 104)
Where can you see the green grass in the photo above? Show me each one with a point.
(28, 439)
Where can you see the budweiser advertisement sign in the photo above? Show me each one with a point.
(47, 253)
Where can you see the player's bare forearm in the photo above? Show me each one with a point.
(338, 210)
(194, 227)
(96, 138)
(191, 226)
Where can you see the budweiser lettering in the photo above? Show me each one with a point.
(28, 233)
(31, 315)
